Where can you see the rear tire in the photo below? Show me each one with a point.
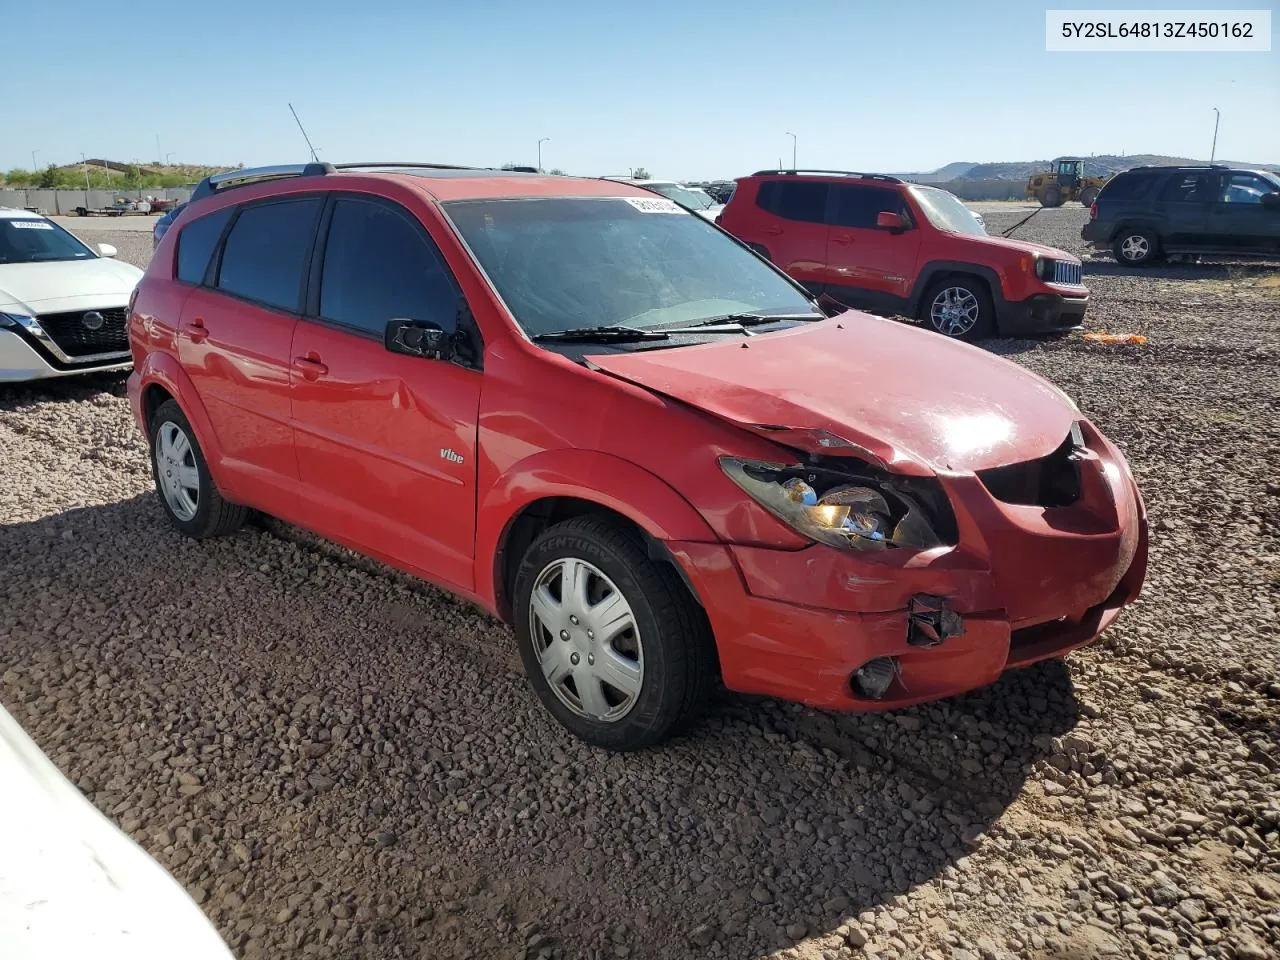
(1088, 195)
(1136, 247)
(186, 489)
(632, 623)
(959, 307)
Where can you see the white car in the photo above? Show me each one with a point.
(692, 198)
(72, 885)
(63, 305)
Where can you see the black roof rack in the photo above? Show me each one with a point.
(1182, 166)
(243, 177)
(884, 177)
(410, 164)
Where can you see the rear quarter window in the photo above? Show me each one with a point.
(196, 243)
(1127, 186)
(804, 200)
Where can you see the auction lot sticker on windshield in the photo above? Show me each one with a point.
(655, 205)
(31, 225)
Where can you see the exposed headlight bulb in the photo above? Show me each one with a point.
(859, 511)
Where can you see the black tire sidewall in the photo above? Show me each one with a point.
(199, 525)
(662, 689)
(985, 327)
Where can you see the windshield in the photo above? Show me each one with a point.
(690, 197)
(25, 240)
(946, 212)
(561, 263)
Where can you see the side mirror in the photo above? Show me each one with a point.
(1271, 200)
(107, 250)
(418, 338)
(888, 220)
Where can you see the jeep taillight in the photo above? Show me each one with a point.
(1093, 210)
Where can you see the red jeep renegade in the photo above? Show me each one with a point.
(607, 422)
(874, 242)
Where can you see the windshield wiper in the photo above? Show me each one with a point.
(756, 319)
(616, 333)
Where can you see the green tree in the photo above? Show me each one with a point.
(50, 178)
(17, 177)
(640, 173)
(557, 172)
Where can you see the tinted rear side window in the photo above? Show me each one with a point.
(196, 243)
(379, 266)
(794, 200)
(1125, 186)
(858, 206)
(1191, 188)
(266, 252)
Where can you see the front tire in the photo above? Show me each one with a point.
(1051, 198)
(959, 308)
(1136, 248)
(611, 640)
(187, 492)
(1088, 195)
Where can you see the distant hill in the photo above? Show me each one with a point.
(109, 175)
(1099, 166)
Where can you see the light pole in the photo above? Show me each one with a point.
(85, 163)
(35, 167)
(168, 155)
(1213, 151)
(793, 149)
(541, 141)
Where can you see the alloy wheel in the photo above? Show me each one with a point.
(586, 640)
(1135, 247)
(954, 311)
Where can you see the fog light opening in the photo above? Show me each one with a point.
(873, 679)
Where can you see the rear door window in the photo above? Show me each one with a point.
(380, 265)
(804, 200)
(265, 255)
(858, 206)
(1190, 188)
(196, 243)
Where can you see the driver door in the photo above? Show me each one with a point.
(386, 442)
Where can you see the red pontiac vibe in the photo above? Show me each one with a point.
(611, 424)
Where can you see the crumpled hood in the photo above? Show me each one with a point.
(33, 288)
(911, 398)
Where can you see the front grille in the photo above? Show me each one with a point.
(1064, 272)
(73, 338)
(1052, 481)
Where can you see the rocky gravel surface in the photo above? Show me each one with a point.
(338, 761)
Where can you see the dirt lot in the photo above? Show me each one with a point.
(339, 762)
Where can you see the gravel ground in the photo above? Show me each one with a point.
(337, 761)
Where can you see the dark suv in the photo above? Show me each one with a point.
(1145, 213)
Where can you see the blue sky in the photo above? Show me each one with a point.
(689, 90)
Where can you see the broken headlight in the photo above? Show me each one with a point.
(858, 511)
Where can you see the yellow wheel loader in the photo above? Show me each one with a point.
(1064, 180)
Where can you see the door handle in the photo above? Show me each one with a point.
(311, 367)
(196, 330)
(773, 231)
(842, 238)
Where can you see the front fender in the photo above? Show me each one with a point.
(602, 478)
(164, 370)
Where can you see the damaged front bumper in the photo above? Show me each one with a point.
(1024, 584)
